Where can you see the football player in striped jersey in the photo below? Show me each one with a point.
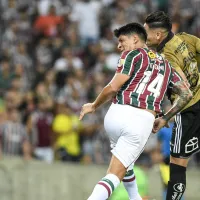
(137, 89)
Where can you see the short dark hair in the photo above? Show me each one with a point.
(159, 19)
(131, 28)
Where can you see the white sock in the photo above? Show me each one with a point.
(130, 184)
(105, 187)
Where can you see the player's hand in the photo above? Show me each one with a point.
(86, 108)
(158, 124)
(187, 83)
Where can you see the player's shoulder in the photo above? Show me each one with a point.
(130, 53)
(183, 34)
(187, 37)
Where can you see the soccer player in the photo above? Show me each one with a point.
(181, 50)
(137, 89)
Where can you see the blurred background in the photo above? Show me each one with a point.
(56, 55)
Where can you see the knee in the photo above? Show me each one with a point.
(179, 161)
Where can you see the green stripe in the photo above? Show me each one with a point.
(150, 102)
(128, 61)
(109, 182)
(134, 100)
(129, 173)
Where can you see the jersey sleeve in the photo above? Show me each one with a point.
(196, 42)
(127, 62)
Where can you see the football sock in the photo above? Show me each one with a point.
(130, 184)
(177, 184)
(105, 187)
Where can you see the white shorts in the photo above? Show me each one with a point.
(128, 129)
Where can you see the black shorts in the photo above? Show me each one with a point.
(186, 132)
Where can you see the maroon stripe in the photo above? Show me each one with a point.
(137, 77)
(129, 180)
(164, 86)
(142, 97)
(107, 188)
(127, 99)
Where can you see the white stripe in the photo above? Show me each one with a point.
(134, 77)
(177, 133)
(122, 71)
(130, 81)
(180, 136)
(139, 81)
(174, 149)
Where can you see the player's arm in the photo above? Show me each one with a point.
(123, 73)
(184, 96)
(108, 92)
(111, 89)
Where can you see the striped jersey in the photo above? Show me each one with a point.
(150, 77)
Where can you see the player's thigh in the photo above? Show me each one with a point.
(133, 138)
(185, 137)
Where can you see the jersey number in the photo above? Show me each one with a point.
(154, 87)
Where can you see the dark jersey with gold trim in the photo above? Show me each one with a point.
(182, 51)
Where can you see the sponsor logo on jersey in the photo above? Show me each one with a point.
(152, 55)
(121, 62)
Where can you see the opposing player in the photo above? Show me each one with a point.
(181, 50)
(137, 89)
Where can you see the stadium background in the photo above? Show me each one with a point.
(56, 55)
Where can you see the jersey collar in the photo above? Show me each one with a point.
(162, 44)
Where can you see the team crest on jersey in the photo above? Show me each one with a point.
(152, 55)
(121, 62)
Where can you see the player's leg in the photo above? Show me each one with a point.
(177, 183)
(106, 185)
(185, 142)
(130, 184)
(130, 136)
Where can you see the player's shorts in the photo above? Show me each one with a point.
(128, 129)
(186, 132)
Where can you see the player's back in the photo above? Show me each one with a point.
(150, 76)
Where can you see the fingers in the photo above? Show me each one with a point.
(155, 129)
(81, 115)
(167, 125)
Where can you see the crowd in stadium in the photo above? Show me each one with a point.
(56, 55)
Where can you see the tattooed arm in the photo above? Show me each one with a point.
(180, 88)
(185, 95)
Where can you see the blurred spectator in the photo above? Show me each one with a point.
(44, 53)
(66, 127)
(6, 76)
(48, 24)
(39, 125)
(10, 37)
(86, 14)
(68, 61)
(21, 57)
(13, 137)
